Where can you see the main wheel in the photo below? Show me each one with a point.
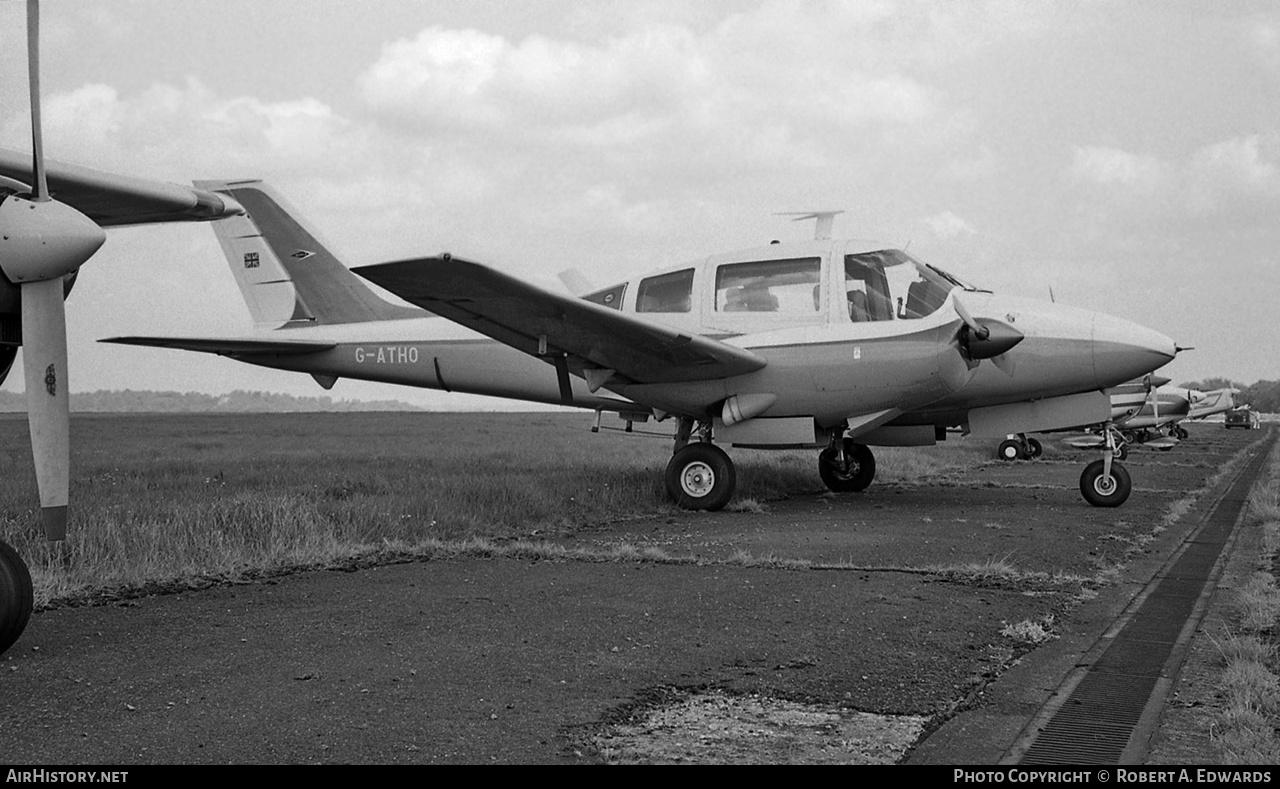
(1105, 490)
(1034, 448)
(854, 474)
(1010, 449)
(700, 477)
(16, 596)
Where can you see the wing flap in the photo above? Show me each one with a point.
(546, 324)
(114, 200)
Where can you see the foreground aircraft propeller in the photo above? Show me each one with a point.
(42, 241)
(51, 222)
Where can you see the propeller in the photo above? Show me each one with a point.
(42, 242)
(984, 338)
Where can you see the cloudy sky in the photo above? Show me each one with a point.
(1125, 155)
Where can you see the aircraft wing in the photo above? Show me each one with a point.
(600, 343)
(227, 346)
(114, 200)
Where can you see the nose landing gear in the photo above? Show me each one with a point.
(1106, 483)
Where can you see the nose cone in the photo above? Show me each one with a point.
(1123, 350)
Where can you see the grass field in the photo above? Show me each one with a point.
(160, 499)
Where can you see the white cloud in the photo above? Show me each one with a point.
(948, 226)
(1111, 166)
(1236, 178)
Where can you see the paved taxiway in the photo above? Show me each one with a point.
(504, 660)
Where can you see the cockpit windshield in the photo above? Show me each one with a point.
(891, 285)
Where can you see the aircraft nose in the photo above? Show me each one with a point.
(1123, 350)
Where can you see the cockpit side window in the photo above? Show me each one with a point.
(666, 293)
(609, 297)
(784, 286)
(890, 285)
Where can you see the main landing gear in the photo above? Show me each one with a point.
(1019, 447)
(845, 466)
(1106, 483)
(16, 597)
(700, 476)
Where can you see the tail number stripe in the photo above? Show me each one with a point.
(387, 354)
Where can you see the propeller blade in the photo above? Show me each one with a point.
(41, 186)
(1005, 363)
(44, 360)
(979, 332)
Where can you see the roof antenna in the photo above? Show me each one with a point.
(826, 220)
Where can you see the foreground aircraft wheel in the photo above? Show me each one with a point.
(16, 597)
(1010, 450)
(855, 474)
(700, 477)
(1103, 490)
(1034, 448)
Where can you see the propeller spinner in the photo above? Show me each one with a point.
(41, 242)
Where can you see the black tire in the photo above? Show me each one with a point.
(855, 474)
(1105, 491)
(16, 596)
(1034, 448)
(1121, 452)
(1010, 450)
(700, 477)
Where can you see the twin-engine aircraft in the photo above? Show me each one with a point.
(829, 344)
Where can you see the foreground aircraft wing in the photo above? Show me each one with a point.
(601, 344)
(227, 346)
(113, 200)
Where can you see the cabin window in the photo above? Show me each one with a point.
(890, 285)
(785, 286)
(666, 293)
(609, 297)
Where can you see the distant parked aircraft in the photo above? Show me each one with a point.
(1147, 412)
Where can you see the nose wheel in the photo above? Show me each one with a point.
(16, 597)
(1106, 483)
(1103, 487)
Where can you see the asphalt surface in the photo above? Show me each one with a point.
(525, 661)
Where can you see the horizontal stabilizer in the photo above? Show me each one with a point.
(551, 325)
(227, 346)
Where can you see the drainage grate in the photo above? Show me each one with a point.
(1096, 722)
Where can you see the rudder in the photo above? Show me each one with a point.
(287, 277)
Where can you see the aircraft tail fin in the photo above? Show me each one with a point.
(286, 275)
